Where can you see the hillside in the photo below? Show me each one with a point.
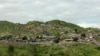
(35, 27)
(57, 28)
(62, 23)
(53, 31)
(6, 27)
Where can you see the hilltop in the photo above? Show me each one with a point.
(36, 27)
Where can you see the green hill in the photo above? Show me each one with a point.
(6, 27)
(34, 28)
(62, 23)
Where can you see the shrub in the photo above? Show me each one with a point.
(11, 50)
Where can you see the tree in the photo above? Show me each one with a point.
(56, 40)
(24, 38)
(83, 35)
(76, 30)
(75, 39)
(11, 50)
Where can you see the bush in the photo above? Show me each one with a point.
(11, 50)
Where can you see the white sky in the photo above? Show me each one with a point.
(76, 11)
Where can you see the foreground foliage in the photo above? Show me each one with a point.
(53, 50)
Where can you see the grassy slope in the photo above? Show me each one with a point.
(62, 23)
(8, 28)
(53, 50)
(28, 29)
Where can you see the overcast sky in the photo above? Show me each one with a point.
(82, 12)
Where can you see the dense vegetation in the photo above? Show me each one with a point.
(53, 50)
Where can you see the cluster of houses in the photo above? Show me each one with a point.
(43, 39)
